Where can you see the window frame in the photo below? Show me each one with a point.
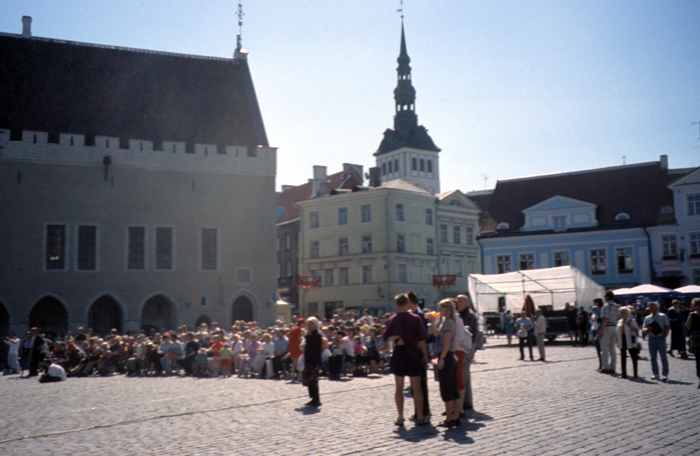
(366, 243)
(692, 204)
(314, 249)
(672, 252)
(79, 245)
(366, 213)
(343, 246)
(528, 258)
(144, 254)
(156, 252)
(204, 264)
(504, 263)
(342, 215)
(595, 254)
(314, 219)
(400, 212)
(63, 248)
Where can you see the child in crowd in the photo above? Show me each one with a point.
(225, 355)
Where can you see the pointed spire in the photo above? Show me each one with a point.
(240, 53)
(404, 94)
(403, 55)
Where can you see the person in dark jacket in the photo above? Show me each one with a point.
(312, 361)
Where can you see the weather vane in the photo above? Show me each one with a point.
(240, 15)
(400, 10)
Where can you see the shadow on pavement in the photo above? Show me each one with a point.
(308, 410)
(477, 416)
(416, 433)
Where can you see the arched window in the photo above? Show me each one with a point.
(384, 169)
(414, 166)
(430, 166)
(422, 164)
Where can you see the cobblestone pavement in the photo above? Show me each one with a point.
(521, 407)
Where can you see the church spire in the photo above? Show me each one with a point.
(404, 94)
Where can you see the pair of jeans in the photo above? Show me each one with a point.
(527, 339)
(607, 348)
(634, 354)
(658, 345)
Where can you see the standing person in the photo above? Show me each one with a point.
(627, 332)
(657, 327)
(582, 326)
(13, 353)
(692, 325)
(409, 356)
(571, 319)
(595, 326)
(295, 336)
(447, 363)
(415, 308)
(677, 317)
(540, 331)
(508, 323)
(523, 325)
(312, 361)
(471, 322)
(36, 354)
(609, 315)
(529, 306)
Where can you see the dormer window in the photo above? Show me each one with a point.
(667, 210)
(503, 226)
(622, 216)
(559, 222)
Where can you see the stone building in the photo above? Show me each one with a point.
(136, 189)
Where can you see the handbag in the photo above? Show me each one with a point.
(522, 332)
(309, 374)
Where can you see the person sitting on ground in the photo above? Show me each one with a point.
(53, 373)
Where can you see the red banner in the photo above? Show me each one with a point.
(311, 281)
(444, 281)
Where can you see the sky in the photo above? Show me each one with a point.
(506, 88)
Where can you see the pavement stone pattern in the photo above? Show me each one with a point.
(561, 407)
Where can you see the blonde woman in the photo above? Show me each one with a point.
(447, 363)
(627, 333)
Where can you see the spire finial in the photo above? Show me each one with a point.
(400, 10)
(240, 15)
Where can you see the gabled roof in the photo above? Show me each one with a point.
(401, 184)
(639, 190)
(691, 178)
(286, 200)
(456, 195)
(67, 87)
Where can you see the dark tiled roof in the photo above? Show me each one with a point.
(639, 190)
(66, 87)
(290, 196)
(482, 199)
(416, 138)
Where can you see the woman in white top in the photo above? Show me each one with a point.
(13, 353)
(627, 333)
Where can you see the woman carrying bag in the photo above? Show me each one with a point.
(627, 336)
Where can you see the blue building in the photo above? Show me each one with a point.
(596, 220)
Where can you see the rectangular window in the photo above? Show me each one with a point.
(429, 216)
(503, 263)
(403, 272)
(695, 276)
(430, 246)
(561, 259)
(625, 260)
(210, 258)
(400, 242)
(87, 248)
(313, 219)
(288, 241)
(328, 277)
(693, 204)
(314, 249)
(164, 248)
(469, 234)
(343, 246)
(367, 273)
(342, 216)
(527, 261)
(56, 247)
(559, 223)
(137, 248)
(366, 213)
(457, 234)
(343, 276)
(694, 242)
(599, 264)
(399, 212)
(443, 233)
(459, 267)
(367, 244)
(669, 245)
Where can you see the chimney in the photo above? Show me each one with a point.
(664, 162)
(27, 26)
(286, 187)
(319, 183)
(375, 179)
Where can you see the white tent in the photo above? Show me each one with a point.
(551, 287)
(688, 289)
(643, 289)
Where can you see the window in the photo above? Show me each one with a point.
(367, 273)
(429, 216)
(314, 250)
(669, 245)
(390, 167)
(342, 216)
(694, 241)
(313, 219)
(384, 169)
(695, 276)
(503, 263)
(288, 269)
(367, 244)
(400, 242)
(399, 212)
(527, 261)
(599, 264)
(693, 204)
(625, 260)
(414, 164)
(210, 257)
(164, 248)
(137, 248)
(430, 166)
(457, 234)
(366, 213)
(561, 259)
(430, 246)
(87, 248)
(343, 276)
(343, 246)
(443, 233)
(469, 234)
(559, 223)
(56, 247)
(403, 272)
(422, 164)
(243, 276)
(459, 267)
(288, 241)
(328, 277)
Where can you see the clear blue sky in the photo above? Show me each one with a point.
(507, 88)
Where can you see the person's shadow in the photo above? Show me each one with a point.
(308, 410)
